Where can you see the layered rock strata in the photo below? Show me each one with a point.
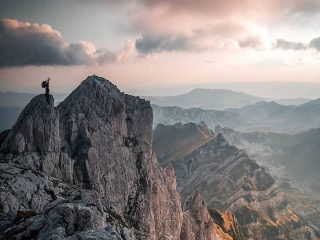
(229, 180)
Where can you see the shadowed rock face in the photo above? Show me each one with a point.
(179, 138)
(86, 170)
(229, 180)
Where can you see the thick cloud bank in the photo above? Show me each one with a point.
(315, 43)
(150, 44)
(284, 44)
(23, 44)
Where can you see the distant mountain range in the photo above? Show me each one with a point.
(261, 116)
(291, 101)
(250, 113)
(217, 99)
(172, 115)
(242, 111)
(271, 116)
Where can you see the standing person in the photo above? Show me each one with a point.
(45, 84)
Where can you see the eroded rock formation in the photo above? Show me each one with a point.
(85, 170)
(229, 180)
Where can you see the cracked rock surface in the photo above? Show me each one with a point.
(86, 170)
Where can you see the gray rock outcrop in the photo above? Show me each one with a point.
(85, 170)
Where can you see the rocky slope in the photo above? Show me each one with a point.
(229, 180)
(291, 159)
(85, 170)
(182, 136)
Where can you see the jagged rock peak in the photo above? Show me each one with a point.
(221, 139)
(198, 224)
(197, 206)
(98, 82)
(36, 128)
(94, 93)
(98, 88)
(100, 102)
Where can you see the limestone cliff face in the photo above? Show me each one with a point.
(85, 170)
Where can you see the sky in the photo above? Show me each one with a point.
(158, 47)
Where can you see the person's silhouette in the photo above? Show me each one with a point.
(45, 84)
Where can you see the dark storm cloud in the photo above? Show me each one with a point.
(315, 43)
(287, 45)
(251, 42)
(151, 44)
(23, 44)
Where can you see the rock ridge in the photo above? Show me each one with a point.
(229, 180)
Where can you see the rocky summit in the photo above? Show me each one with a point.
(86, 170)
